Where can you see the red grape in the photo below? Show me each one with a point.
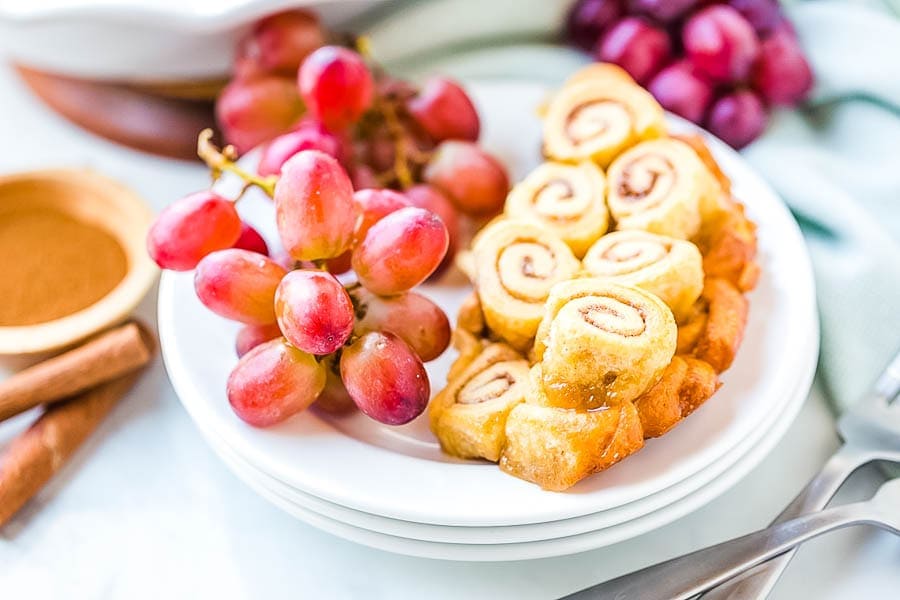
(636, 46)
(682, 90)
(251, 336)
(310, 135)
(472, 179)
(314, 206)
(252, 111)
(239, 285)
(721, 43)
(273, 382)
(192, 227)
(400, 251)
(430, 198)
(444, 111)
(251, 240)
(336, 85)
(664, 11)
(782, 74)
(372, 205)
(589, 19)
(414, 318)
(339, 264)
(314, 311)
(280, 42)
(335, 399)
(385, 378)
(363, 176)
(738, 118)
(763, 15)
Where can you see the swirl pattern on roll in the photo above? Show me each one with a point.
(602, 343)
(659, 186)
(516, 264)
(596, 118)
(667, 267)
(469, 415)
(569, 200)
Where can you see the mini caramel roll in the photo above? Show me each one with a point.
(667, 267)
(597, 118)
(470, 316)
(685, 384)
(601, 343)
(469, 415)
(558, 447)
(600, 72)
(516, 264)
(659, 186)
(569, 200)
(469, 347)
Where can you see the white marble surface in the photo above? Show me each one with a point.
(145, 510)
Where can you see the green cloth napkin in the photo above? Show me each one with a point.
(836, 162)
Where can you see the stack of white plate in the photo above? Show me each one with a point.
(393, 489)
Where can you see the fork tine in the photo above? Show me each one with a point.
(888, 385)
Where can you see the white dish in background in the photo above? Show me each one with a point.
(147, 41)
(400, 472)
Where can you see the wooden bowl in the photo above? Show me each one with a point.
(96, 200)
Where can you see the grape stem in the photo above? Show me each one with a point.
(225, 159)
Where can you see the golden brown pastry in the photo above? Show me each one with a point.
(667, 267)
(569, 200)
(600, 72)
(558, 447)
(516, 264)
(725, 323)
(602, 343)
(596, 118)
(728, 243)
(659, 186)
(685, 384)
(469, 415)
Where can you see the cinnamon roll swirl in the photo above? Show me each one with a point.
(601, 344)
(469, 415)
(667, 267)
(597, 118)
(569, 200)
(516, 264)
(558, 447)
(659, 186)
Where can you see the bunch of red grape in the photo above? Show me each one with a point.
(293, 92)
(307, 335)
(718, 64)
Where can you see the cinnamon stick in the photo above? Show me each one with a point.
(33, 457)
(107, 356)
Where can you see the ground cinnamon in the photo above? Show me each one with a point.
(54, 265)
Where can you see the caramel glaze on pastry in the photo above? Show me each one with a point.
(660, 186)
(516, 264)
(685, 384)
(602, 343)
(469, 415)
(667, 267)
(558, 447)
(569, 200)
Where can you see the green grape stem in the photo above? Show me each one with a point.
(225, 159)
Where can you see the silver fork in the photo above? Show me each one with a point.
(871, 431)
(686, 576)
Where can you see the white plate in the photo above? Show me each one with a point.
(737, 462)
(401, 473)
(283, 498)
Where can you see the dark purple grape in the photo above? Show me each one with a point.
(681, 89)
(721, 43)
(637, 46)
(738, 118)
(589, 19)
(782, 75)
(764, 15)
